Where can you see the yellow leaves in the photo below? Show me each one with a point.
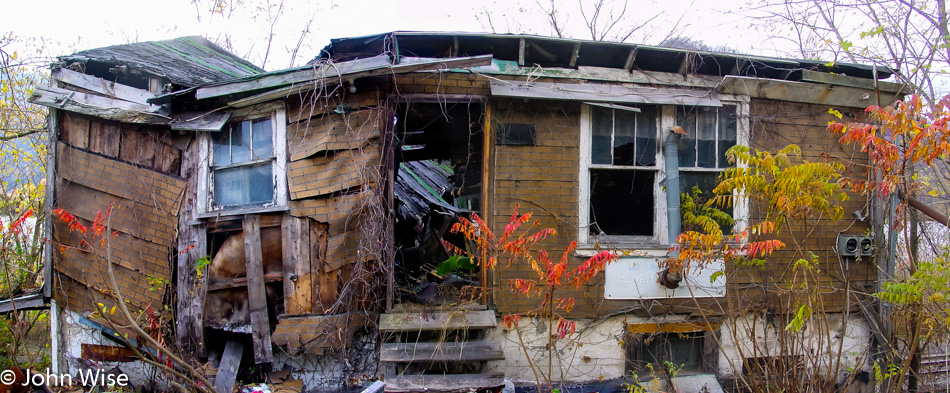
(835, 112)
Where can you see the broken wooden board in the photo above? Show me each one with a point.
(446, 320)
(464, 351)
(98, 106)
(443, 383)
(333, 73)
(811, 93)
(106, 88)
(256, 293)
(331, 132)
(321, 175)
(314, 334)
(200, 121)
(229, 366)
(339, 212)
(107, 353)
(297, 277)
(605, 93)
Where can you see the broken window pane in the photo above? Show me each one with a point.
(621, 202)
(646, 136)
(625, 123)
(244, 185)
(601, 133)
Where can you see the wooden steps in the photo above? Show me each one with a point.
(463, 351)
(438, 351)
(406, 322)
(443, 383)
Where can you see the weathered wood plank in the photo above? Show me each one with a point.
(75, 130)
(811, 93)
(851, 81)
(333, 76)
(449, 320)
(256, 293)
(605, 93)
(104, 107)
(242, 281)
(230, 364)
(298, 280)
(104, 138)
(192, 246)
(200, 121)
(443, 352)
(317, 250)
(444, 383)
(102, 86)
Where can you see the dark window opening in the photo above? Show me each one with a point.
(621, 202)
(687, 353)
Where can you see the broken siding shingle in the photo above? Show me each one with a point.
(339, 212)
(321, 175)
(332, 132)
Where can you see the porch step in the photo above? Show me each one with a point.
(466, 351)
(443, 320)
(443, 383)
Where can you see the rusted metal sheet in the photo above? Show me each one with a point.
(107, 353)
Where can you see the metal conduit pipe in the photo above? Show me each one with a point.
(671, 152)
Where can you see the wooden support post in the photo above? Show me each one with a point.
(488, 144)
(192, 246)
(575, 54)
(256, 294)
(521, 50)
(298, 277)
(52, 139)
(229, 366)
(631, 58)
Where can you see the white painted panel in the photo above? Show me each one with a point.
(636, 278)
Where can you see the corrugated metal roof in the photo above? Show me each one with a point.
(186, 61)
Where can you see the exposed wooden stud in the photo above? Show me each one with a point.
(521, 50)
(739, 67)
(684, 66)
(316, 251)
(242, 281)
(229, 366)
(575, 54)
(631, 58)
(51, 174)
(256, 293)
(455, 46)
(543, 52)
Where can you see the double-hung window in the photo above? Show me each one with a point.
(710, 131)
(245, 164)
(622, 168)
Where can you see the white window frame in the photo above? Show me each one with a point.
(278, 118)
(659, 240)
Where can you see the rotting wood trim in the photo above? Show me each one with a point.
(851, 81)
(297, 273)
(242, 281)
(256, 293)
(303, 74)
(51, 148)
(107, 88)
(805, 92)
(98, 106)
(671, 327)
(575, 54)
(631, 58)
(200, 121)
(606, 93)
(192, 246)
(406, 67)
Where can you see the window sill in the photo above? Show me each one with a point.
(625, 249)
(238, 212)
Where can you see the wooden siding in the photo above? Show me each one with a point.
(99, 162)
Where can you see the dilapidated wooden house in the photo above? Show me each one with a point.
(299, 214)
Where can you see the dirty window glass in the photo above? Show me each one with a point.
(623, 145)
(242, 163)
(710, 131)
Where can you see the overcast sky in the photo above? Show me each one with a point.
(77, 25)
